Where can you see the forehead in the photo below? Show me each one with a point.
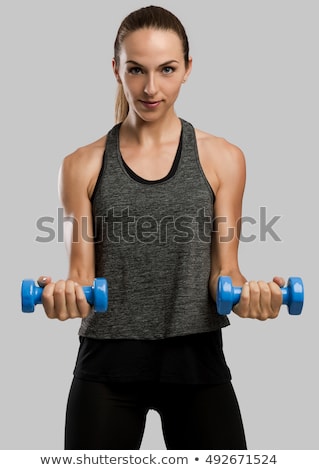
(146, 44)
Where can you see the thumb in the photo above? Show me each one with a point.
(279, 280)
(44, 280)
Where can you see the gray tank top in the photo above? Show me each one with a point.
(153, 245)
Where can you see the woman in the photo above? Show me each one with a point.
(159, 204)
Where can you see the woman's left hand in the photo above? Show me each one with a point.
(260, 300)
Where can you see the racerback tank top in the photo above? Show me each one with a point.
(153, 245)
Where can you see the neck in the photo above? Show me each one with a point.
(147, 132)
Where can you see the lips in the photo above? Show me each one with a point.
(151, 104)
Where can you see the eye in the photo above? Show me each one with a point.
(168, 70)
(135, 70)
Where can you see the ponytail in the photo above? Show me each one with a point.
(121, 105)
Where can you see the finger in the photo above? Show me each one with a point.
(266, 310)
(242, 308)
(276, 297)
(84, 308)
(70, 299)
(60, 306)
(254, 303)
(47, 299)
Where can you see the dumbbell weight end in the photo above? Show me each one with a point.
(30, 295)
(293, 295)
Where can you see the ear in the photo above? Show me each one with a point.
(189, 69)
(116, 71)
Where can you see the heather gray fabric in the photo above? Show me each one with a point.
(153, 246)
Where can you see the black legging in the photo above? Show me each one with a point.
(112, 416)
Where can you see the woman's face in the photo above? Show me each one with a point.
(151, 70)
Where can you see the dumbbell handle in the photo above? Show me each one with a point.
(96, 295)
(229, 295)
(37, 294)
(284, 291)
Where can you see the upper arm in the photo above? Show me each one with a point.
(231, 174)
(225, 168)
(75, 177)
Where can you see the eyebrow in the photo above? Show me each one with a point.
(161, 65)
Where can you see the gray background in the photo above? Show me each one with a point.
(255, 82)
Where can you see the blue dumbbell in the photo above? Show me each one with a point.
(228, 295)
(96, 295)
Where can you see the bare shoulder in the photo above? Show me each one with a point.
(84, 164)
(215, 147)
(220, 159)
(86, 156)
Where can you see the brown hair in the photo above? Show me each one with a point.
(146, 17)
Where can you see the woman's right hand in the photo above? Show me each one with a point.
(63, 299)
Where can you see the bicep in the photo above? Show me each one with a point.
(228, 213)
(77, 222)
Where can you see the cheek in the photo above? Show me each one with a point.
(131, 85)
(174, 87)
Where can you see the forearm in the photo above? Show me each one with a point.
(81, 256)
(224, 262)
(81, 266)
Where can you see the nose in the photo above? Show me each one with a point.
(150, 87)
